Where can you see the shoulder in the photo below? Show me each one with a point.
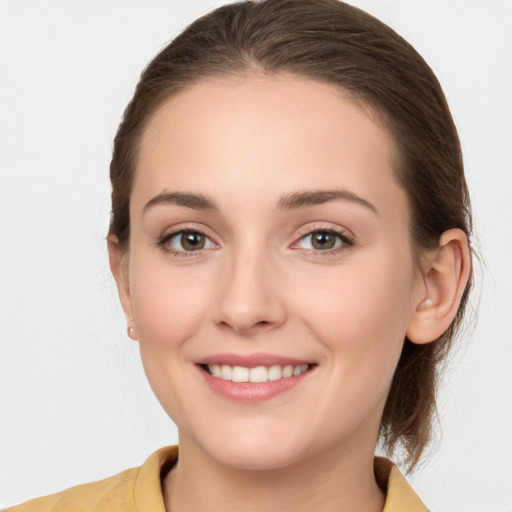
(130, 491)
(86, 497)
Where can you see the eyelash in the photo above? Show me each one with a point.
(346, 241)
(164, 239)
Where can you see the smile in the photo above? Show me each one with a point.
(255, 374)
(252, 378)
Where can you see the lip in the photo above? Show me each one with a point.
(251, 360)
(252, 392)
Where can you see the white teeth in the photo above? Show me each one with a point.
(225, 372)
(215, 369)
(240, 374)
(256, 374)
(275, 372)
(287, 371)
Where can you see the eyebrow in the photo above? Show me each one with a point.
(292, 201)
(315, 197)
(187, 199)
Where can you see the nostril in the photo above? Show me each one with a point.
(246, 327)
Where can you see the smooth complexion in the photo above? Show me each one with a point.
(268, 229)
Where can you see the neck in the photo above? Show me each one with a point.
(327, 482)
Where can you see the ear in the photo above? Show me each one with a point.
(445, 276)
(119, 266)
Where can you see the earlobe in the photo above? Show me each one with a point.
(445, 278)
(119, 268)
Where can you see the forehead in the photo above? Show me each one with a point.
(275, 133)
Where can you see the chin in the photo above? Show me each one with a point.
(254, 452)
(257, 461)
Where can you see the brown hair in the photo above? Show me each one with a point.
(329, 41)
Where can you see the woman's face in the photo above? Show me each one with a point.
(269, 237)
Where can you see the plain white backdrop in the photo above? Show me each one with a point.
(74, 402)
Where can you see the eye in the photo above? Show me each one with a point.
(186, 241)
(323, 240)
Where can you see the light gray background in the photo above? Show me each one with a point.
(75, 405)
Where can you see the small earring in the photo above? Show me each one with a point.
(131, 332)
(426, 303)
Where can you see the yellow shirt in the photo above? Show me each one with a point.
(139, 490)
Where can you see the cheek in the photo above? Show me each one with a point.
(167, 306)
(361, 314)
(168, 310)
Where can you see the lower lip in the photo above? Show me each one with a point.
(252, 391)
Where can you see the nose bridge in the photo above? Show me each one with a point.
(250, 296)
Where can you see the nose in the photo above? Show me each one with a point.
(251, 298)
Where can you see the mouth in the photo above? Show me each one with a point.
(253, 378)
(256, 374)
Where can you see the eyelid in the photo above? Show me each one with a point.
(169, 233)
(312, 227)
(346, 237)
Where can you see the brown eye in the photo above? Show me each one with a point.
(192, 241)
(322, 240)
(186, 242)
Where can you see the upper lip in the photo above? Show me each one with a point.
(251, 360)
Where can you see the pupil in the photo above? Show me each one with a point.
(192, 241)
(323, 240)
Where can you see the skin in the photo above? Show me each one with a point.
(258, 286)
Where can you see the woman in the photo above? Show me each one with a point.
(290, 240)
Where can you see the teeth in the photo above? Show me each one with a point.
(240, 374)
(225, 372)
(288, 371)
(275, 373)
(257, 374)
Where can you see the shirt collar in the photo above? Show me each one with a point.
(148, 488)
(400, 497)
